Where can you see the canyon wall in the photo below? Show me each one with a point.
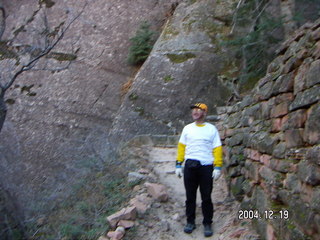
(183, 67)
(58, 121)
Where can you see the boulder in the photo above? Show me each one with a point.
(157, 191)
(142, 203)
(102, 238)
(124, 214)
(136, 177)
(126, 223)
(115, 235)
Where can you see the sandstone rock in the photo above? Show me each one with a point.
(312, 128)
(300, 82)
(136, 177)
(313, 154)
(276, 125)
(142, 203)
(316, 53)
(284, 97)
(313, 74)
(157, 191)
(270, 177)
(120, 229)
(238, 233)
(280, 110)
(279, 150)
(302, 214)
(263, 142)
(236, 139)
(315, 202)
(248, 187)
(293, 138)
(266, 108)
(126, 223)
(282, 165)
(144, 171)
(309, 173)
(253, 154)
(270, 233)
(163, 225)
(103, 238)
(292, 183)
(115, 235)
(235, 172)
(124, 214)
(232, 161)
(295, 119)
(283, 84)
(306, 98)
(251, 171)
(265, 159)
(137, 188)
(237, 187)
(291, 64)
(233, 120)
(176, 217)
(265, 92)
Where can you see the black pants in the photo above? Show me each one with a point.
(196, 175)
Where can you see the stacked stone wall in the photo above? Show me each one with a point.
(272, 143)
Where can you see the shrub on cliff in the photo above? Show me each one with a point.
(141, 44)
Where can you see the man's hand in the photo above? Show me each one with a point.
(216, 173)
(179, 172)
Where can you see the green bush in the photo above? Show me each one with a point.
(82, 215)
(98, 198)
(141, 44)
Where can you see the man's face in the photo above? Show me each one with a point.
(197, 114)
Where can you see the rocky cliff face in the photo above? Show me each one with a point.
(59, 119)
(182, 68)
(272, 143)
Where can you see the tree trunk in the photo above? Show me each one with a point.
(3, 109)
(2, 19)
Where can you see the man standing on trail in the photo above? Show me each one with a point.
(200, 146)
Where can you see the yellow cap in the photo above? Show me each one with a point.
(201, 106)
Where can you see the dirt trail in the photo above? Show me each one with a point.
(166, 220)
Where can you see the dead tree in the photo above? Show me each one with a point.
(23, 58)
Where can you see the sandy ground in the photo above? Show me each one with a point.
(167, 220)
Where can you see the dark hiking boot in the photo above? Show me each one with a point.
(208, 230)
(189, 228)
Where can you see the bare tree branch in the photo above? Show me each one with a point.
(2, 19)
(259, 14)
(46, 51)
(235, 16)
(254, 22)
(50, 42)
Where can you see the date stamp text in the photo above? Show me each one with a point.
(250, 214)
